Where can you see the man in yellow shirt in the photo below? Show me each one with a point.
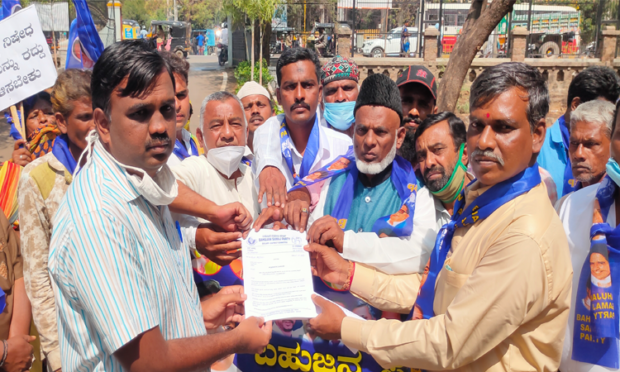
(495, 295)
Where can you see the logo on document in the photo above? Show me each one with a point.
(251, 241)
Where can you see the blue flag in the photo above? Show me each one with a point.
(85, 45)
(9, 7)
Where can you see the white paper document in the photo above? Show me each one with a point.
(277, 275)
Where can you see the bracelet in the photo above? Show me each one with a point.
(5, 353)
(349, 281)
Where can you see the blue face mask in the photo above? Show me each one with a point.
(613, 170)
(340, 115)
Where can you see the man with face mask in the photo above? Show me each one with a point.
(118, 264)
(441, 157)
(339, 79)
(257, 105)
(590, 219)
(219, 175)
(370, 209)
(496, 293)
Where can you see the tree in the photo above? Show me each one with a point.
(482, 18)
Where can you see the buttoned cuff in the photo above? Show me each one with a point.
(363, 279)
(354, 333)
(53, 359)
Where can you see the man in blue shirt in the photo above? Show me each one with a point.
(592, 83)
(200, 39)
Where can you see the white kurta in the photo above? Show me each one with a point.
(576, 215)
(394, 255)
(200, 176)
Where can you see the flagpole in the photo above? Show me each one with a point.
(53, 35)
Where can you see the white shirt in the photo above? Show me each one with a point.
(201, 177)
(174, 160)
(267, 149)
(394, 255)
(576, 215)
(224, 36)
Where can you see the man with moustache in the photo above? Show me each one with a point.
(441, 157)
(339, 78)
(371, 211)
(294, 143)
(496, 296)
(119, 267)
(588, 150)
(220, 176)
(257, 105)
(590, 219)
(418, 94)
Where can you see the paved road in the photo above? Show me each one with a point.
(205, 77)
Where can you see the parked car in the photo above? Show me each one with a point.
(391, 43)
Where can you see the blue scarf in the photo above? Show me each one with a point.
(181, 151)
(596, 331)
(481, 208)
(403, 178)
(312, 149)
(63, 154)
(570, 183)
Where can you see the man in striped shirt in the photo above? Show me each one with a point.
(119, 267)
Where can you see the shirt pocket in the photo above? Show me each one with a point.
(450, 282)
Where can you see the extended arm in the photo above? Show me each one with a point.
(150, 352)
(512, 278)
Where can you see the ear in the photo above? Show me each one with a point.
(61, 123)
(102, 124)
(400, 136)
(435, 110)
(538, 136)
(320, 92)
(278, 96)
(201, 139)
(574, 103)
(465, 157)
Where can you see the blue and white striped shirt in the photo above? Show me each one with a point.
(118, 269)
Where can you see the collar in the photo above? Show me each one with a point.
(555, 132)
(603, 283)
(324, 151)
(439, 207)
(473, 192)
(116, 177)
(248, 153)
(377, 179)
(57, 166)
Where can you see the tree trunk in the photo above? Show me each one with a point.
(480, 22)
(260, 64)
(252, 60)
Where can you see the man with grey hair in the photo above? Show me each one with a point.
(220, 176)
(588, 150)
(369, 208)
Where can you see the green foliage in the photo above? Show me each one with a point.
(243, 73)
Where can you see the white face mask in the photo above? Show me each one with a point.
(226, 159)
(161, 190)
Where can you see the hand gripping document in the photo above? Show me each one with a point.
(278, 278)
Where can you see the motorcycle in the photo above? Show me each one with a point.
(223, 56)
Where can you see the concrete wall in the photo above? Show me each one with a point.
(558, 72)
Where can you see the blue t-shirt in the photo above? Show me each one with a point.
(201, 40)
(553, 155)
(369, 203)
